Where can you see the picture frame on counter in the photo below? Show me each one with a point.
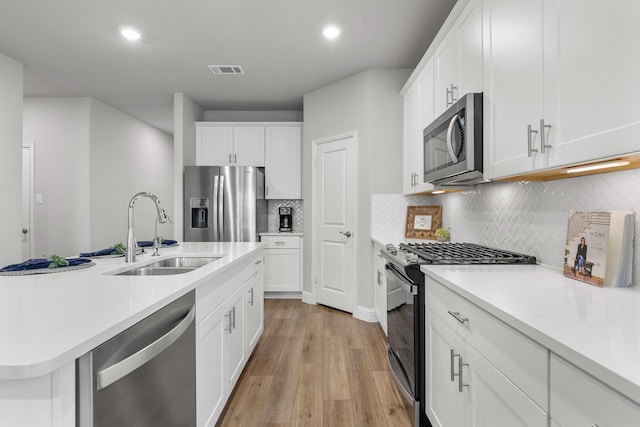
(423, 221)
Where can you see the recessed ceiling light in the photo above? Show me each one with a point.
(130, 33)
(331, 31)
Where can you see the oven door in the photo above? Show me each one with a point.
(401, 314)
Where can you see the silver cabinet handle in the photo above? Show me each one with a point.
(229, 158)
(266, 190)
(258, 262)
(529, 133)
(279, 243)
(461, 384)
(453, 155)
(251, 293)
(452, 355)
(457, 316)
(230, 327)
(233, 314)
(453, 98)
(346, 233)
(543, 142)
(117, 371)
(449, 92)
(235, 158)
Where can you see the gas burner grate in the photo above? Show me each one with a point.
(464, 253)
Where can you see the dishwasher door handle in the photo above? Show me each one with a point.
(117, 371)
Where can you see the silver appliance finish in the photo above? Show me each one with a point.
(145, 376)
(224, 203)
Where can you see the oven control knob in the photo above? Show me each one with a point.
(391, 249)
(412, 257)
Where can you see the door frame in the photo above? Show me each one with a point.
(32, 163)
(314, 204)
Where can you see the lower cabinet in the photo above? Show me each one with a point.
(226, 336)
(282, 261)
(380, 294)
(577, 399)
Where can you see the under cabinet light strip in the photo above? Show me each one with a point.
(598, 166)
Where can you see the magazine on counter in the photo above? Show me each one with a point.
(599, 248)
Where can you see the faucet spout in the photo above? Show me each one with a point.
(132, 245)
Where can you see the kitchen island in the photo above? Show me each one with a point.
(47, 321)
(589, 337)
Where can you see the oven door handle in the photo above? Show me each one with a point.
(408, 287)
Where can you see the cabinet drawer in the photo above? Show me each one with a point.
(255, 262)
(211, 294)
(278, 242)
(519, 358)
(578, 399)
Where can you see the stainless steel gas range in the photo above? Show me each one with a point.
(406, 319)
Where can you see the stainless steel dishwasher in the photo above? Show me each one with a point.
(145, 376)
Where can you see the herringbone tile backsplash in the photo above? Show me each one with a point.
(527, 217)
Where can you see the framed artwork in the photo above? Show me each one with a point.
(423, 221)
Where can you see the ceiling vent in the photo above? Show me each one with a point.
(226, 69)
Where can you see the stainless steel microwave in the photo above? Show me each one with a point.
(453, 144)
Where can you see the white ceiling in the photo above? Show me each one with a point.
(73, 48)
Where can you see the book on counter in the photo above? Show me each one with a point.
(599, 248)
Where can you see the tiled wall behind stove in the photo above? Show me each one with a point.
(527, 217)
(274, 215)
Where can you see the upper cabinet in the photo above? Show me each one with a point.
(556, 91)
(283, 163)
(458, 59)
(227, 145)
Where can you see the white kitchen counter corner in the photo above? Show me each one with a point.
(49, 320)
(597, 329)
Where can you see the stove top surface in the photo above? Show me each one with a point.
(453, 253)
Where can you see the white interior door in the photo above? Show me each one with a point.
(334, 196)
(27, 199)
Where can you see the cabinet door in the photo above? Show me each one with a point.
(513, 86)
(492, 400)
(248, 144)
(255, 310)
(235, 351)
(283, 162)
(380, 277)
(445, 406)
(412, 140)
(214, 146)
(591, 79)
(210, 367)
(577, 399)
(469, 28)
(282, 270)
(446, 72)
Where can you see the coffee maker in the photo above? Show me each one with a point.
(286, 217)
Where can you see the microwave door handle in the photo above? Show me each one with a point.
(452, 123)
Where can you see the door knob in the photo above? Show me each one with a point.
(25, 231)
(346, 233)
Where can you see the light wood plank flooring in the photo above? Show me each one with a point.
(315, 366)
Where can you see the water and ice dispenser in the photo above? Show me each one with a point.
(199, 213)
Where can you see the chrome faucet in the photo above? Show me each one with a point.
(157, 241)
(132, 245)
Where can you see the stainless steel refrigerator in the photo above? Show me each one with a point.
(224, 203)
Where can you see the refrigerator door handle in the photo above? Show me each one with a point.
(221, 210)
(215, 207)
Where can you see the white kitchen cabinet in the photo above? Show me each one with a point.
(283, 162)
(224, 144)
(458, 59)
(481, 372)
(591, 83)
(282, 261)
(254, 289)
(235, 350)
(577, 399)
(418, 113)
(380, 278)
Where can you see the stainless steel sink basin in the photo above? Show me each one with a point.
(193, 262)
(169, 266)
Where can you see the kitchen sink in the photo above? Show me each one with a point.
(169, 266)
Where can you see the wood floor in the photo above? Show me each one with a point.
(315, 366)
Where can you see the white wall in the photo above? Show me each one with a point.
(185, 114)
(368, 103)
(89, 160)
(127, 156)
(59, 130)
(10, 160)
(252, 116)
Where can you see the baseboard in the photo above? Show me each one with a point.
(282, 295)
(307, 298)
(366, 314)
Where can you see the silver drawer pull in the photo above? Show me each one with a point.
(457, 316)
(279, 243)
(258, 262)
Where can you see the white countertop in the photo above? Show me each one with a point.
(49, 320)
(597, 329)
(281, 233)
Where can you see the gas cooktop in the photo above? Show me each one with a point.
(453, 253)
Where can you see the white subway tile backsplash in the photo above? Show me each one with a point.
(529, 217)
